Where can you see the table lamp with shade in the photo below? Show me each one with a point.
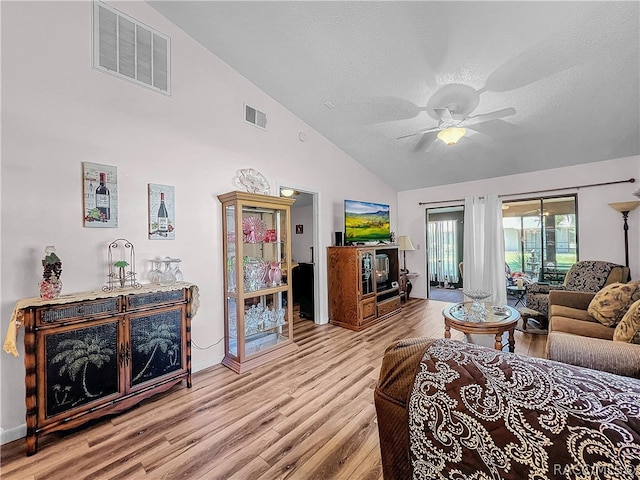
(404, 244)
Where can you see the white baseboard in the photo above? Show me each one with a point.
(196, 367)
(12, 434)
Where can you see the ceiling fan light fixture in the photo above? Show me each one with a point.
(451, 135)
(286, 192)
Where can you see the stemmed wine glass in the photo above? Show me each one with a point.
(176, 270)
(156, 274)
(167, 277)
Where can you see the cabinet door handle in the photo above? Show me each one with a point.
(122, 355)
(128, 354)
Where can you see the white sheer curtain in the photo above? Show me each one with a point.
(484, 247)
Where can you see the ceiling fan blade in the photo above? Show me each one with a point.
(374, 110)
(434, 129)
(494, 128)
(425, 142)
(485, 117)
(444, 114)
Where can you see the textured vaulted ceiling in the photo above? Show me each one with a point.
(570, 70)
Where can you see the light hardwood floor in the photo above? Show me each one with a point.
(307, 416)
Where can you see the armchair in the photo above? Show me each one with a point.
(584, 276)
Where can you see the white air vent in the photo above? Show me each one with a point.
(128, 49)
(255, 117)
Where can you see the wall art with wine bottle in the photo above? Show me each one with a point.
(162, 219)
(100, 184)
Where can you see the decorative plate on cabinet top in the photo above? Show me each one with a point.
(252, 181)
(253, 229)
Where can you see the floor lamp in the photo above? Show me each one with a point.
(404, 244)
(624, 208)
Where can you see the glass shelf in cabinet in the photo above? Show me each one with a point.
(265, 290)
(263, 341)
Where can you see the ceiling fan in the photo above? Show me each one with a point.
(451, 106)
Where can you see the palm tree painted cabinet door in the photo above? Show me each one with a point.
(98, 356)
(82, 367)
(157, 349)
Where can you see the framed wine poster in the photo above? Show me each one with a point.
(162, 220)
(100, 185)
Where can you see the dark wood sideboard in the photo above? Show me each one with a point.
(96, 353)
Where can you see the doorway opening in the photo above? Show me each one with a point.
(304, 241)
(445, 234)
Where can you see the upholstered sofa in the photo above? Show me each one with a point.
(584, 276)
(577, 338)
(448, 409)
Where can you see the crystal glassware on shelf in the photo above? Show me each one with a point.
(477, 296)
(255, 270)
(275, 273)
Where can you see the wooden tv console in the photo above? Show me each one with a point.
(363, 285)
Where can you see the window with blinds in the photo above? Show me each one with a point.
(126, 48)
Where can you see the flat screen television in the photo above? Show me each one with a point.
(366, 222)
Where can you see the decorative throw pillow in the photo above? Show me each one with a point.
(628, 330)
(609, 305)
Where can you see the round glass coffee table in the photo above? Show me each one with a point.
(495, 320)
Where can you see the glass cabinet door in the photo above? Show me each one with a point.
(266, 322)
(366, 273)
(264, 248)
(264, 268)
(257, 268)
(230, 247)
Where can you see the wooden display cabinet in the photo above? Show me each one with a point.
(256, 238)
(363, 285)
(95, 353)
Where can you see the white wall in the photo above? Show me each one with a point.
(600, 228)
(301, 243)
(58, 112)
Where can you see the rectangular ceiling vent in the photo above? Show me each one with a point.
(255, 117)
(126, 48)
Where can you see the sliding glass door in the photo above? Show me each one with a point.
(444, 246)
(540, 236)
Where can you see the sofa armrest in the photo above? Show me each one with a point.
(397, 374)
(567, 298)
(595, 353)
(398, 368)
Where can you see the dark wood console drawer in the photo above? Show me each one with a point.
(76, 311)
(144, 300)
(388, 306)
